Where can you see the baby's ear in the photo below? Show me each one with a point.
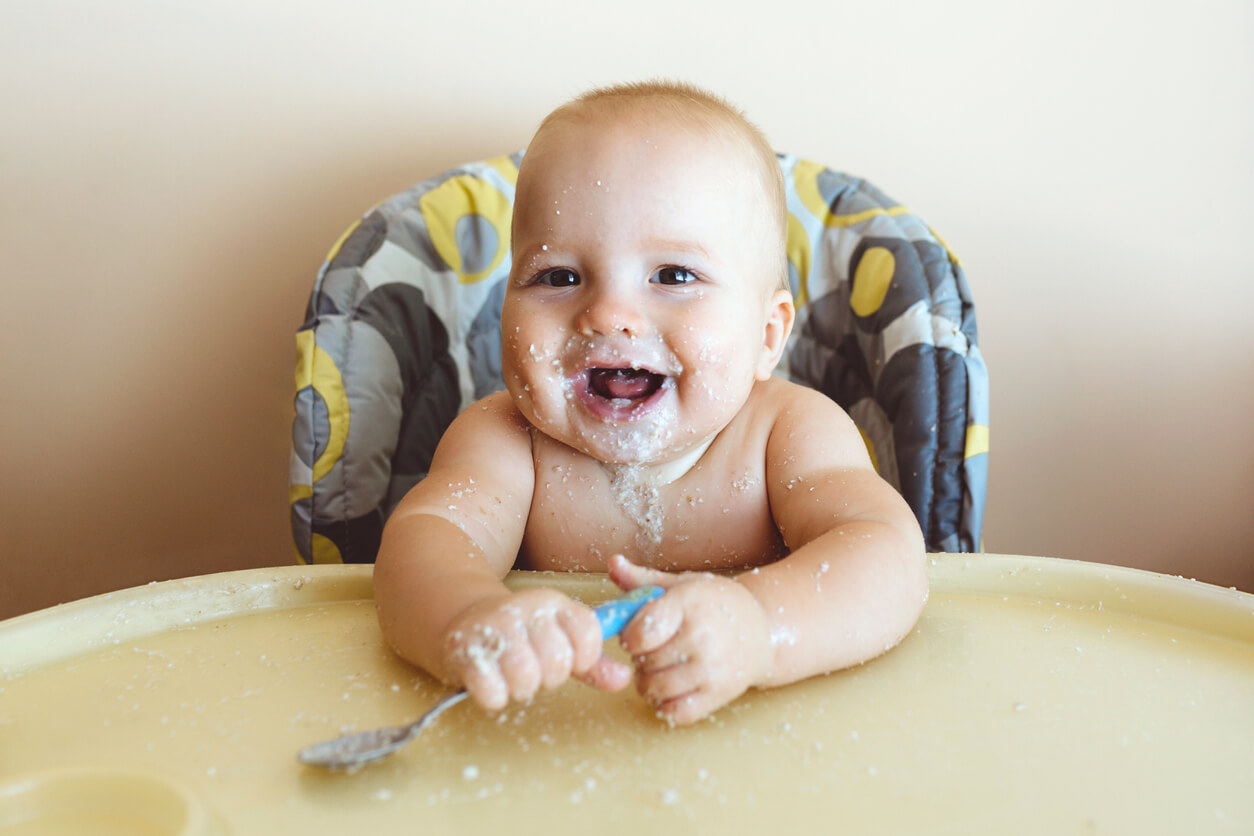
(780, 313)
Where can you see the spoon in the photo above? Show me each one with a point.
(353, 751)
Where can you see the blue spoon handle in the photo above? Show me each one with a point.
(615, 614)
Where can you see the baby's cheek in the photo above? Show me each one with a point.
(531, 381)
(720, 382)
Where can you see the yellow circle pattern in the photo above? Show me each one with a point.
(805, 177)
(454, 199)
(316, 368)
(872, 280)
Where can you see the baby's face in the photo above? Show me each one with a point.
(645, 270)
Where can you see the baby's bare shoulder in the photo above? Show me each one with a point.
(486, 453)
(808, 426)
(819, 473)
(497, 407)
(490, 429)
(494, 414)
(776, 399)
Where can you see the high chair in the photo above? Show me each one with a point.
(402, 331)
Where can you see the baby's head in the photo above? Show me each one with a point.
(648, 287)
(711, 121)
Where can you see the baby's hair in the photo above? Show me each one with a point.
(707, 110)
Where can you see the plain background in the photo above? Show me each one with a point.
(172, 174)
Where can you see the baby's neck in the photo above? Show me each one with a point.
(635, 489)
(661, 473)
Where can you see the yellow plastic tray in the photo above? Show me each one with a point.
(1035, 696)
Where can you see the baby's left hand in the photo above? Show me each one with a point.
(698, 647)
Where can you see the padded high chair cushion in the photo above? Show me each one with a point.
(402, 331)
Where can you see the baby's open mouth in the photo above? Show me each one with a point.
(623, 394)
(624, 384)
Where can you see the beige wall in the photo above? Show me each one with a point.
(171, 175)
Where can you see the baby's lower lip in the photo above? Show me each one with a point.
(619, 394)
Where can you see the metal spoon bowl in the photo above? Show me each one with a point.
(354, 750)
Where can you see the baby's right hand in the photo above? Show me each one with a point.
(509, 647)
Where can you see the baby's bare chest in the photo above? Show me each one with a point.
(716, 516)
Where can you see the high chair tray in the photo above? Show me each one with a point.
(1035, 695)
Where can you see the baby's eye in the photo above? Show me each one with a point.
(673, 276)
(561, 277)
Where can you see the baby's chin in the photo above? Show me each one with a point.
(646, 441)
(660, 454)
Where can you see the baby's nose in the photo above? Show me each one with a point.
(610, 311)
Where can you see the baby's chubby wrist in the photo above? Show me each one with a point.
(758, 636)
(776, 635)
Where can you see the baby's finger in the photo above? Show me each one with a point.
(669, 683)
(553, 650)
(584, 635)
(668, 655)
(521, 670)
(688, 708)
(607, 674)
(630, 576)
(655, 625)
(471, 659)
(486, 686)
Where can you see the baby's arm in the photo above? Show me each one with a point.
(445, 549)
(852, 586)
(855, 580)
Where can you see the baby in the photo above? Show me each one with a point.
(642, 433)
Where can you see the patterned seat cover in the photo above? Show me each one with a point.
(402, 331)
